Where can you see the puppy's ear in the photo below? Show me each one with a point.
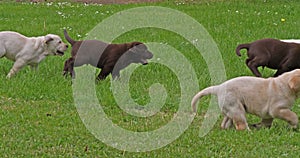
(48, 39)
(133, 44)
(294, 83)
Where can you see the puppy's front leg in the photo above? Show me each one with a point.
(104, 72)
(264, 123)
(115, 74)
(19, 64)
(287, 115)
(281, 71)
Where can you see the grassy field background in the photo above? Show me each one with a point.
(37, 112)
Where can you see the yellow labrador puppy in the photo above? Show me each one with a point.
(267, 98)
(28, 50)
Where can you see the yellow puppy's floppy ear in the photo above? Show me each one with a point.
(294, 83)
(48, 39)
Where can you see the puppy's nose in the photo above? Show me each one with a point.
(150, 55)
(67, 46)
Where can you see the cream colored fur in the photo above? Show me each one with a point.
(267, 98)
(28, 50)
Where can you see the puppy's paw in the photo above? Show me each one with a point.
(294, 128)
(65, 73)
(259, 126)
(255, 126)
(8, 76)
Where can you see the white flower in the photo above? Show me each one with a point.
(49, 4)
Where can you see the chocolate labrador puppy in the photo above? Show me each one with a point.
(110, 58)
(272, 53)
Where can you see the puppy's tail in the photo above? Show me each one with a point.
(206, 91)
(68, 38)
(241, 46)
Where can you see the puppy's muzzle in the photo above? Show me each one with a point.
(144, 62)
(149, 55)
(60, 53)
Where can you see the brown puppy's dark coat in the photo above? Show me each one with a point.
(271, 53)
(111, 58)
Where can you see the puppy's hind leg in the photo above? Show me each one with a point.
(226, 123)
(238, 116)
(253, 65)
(69, 68)
(19, 64)
(240, 123)
(66, 68)
(235, 111)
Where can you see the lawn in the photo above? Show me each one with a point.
(41, 118)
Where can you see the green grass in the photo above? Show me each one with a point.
(37, 111)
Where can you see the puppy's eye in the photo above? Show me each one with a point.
(59, 42)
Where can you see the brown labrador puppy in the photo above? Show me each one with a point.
(110, 58)
(272, 53)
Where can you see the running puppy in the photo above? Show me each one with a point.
(110, 58)
(28, 50)
(267, 98)
(271, 53)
